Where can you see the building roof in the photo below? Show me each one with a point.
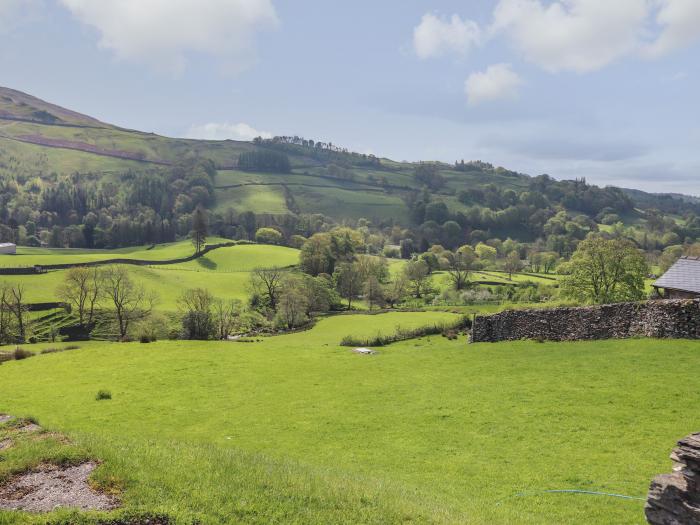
(684, 275)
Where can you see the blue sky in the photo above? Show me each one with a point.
(574, 88)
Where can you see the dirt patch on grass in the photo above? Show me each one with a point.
(51, 486)
(5, 443)
(4, 418)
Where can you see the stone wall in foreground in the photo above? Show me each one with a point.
(675, 498)
(672, 318)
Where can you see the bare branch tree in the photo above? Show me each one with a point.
(130, 302)
(266, 283)
(14, 301)
(226, 314)
(82, 289)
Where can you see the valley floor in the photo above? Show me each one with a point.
(296, 428)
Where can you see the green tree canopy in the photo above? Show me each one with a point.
(606, 271)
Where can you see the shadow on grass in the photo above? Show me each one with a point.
(207, 263)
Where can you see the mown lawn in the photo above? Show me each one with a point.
(297, 429)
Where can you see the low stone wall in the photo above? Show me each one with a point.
(673, 319)
(675, 498)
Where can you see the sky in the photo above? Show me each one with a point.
(601, 89)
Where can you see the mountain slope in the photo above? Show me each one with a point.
(39, 140)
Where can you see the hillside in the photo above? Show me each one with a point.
(69, 180)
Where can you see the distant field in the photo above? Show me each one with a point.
(224, 272)
(242, 258)
(297, 429)
(27, 256)
(258, 199)
(354, 203)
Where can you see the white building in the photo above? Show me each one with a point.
(8, 248)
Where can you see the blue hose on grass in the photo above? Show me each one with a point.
(572, 491)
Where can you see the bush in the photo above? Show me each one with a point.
(53, 350)
(145, 338)
(103, 394)
(21, 353)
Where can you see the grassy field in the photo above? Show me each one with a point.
(225, 272)
(297, 429)
(27, 256)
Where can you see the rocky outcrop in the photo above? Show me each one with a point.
(674, 499)
(673, 319)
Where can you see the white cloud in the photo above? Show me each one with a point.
(498, 82)
(163, 32)
(436, 36)
(225, 130)
(680, 20)
(572, 35)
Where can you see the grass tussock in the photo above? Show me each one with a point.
(102, 395)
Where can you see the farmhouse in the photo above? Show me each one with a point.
(681, 281)
(8, 248)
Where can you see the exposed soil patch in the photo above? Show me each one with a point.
(52, 486)
(4, 418)
(5, 443)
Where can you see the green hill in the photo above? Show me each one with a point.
(69, 180)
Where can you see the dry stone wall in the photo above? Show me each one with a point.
(674, 499)
(673, 319)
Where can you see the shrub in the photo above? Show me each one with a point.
(20, 353)
(53, 350)
(144, 338)
(103, 394)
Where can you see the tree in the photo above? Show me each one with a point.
(130, 302)
(395, 291)
(266, 282)
(406, 248)
(197, 320)
(373, 291)
(19, 309)
(606, 270)
(268, 236)
(293, 305)
(348, 281)
(485, 252)
(199, 228)
(226, 314)
(14, 311)
(512, 264)
(316, 255)
(82, 289)
(460, 266)
(417, 274)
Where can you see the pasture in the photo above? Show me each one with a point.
(225, 271)
(296, 428)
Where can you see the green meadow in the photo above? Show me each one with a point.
(296, 429)
(225, 271)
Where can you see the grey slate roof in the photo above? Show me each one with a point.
(683, 275)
